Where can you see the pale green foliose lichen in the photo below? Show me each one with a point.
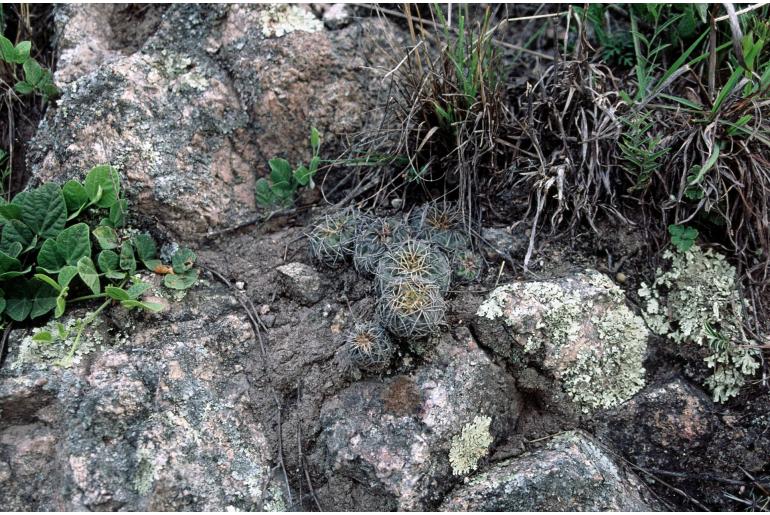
(470, 445)
(697, 302)
(597, 376)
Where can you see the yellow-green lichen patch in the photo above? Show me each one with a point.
(470, 445)
(697, 301)
(582, 331)
(279, 20)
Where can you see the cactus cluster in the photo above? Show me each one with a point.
(412, 261)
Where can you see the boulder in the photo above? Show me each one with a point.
(666, 426)
(577, 329)
(190, 114)
(394, 435)
(570, 473)
(156, 416)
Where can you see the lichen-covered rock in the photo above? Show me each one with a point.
(301, 282)
(394, 436)
(570, 473)
(191, 114)
(578, 329)
(160, 420)
(666, 426)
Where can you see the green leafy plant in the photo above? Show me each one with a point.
(36, 78)
(682, 236)
(280, 188)
(64, 244)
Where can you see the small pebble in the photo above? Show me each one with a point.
(240, 285)
(620, 277)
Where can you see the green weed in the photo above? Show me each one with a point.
(280, 188)
(64, 244)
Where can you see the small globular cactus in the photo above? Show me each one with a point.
(417, 260)
(373, 238)
(368, 347)
(441, 224)
(332, 238)
(467, 266)
(411, 307)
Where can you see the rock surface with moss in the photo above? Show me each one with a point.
(578, 329)
(570, 473)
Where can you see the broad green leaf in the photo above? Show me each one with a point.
(265, 196)
(75, 197)
(8, 263)
(10, 212)
(44, 210)
(7, 50)
(146, 249)
(48, 257)
(74, 243)
(137, 289)
(23, 87)
(280, 171)
(302, 175)
(89, 275)
(15, 231)
(66, 274)
(106, 237)
(32, 71)
(181, 281)
(712, 159)
(44, 278)
(116, 293)
(108, 260)
(43, 299)
(154, 307)
(103, 185)
(22, 51)
(18, 301)
(127, 260)
(117, 216)
(12, 249)
(183, 260)
(43, 337)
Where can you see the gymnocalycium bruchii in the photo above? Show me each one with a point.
(68, 243)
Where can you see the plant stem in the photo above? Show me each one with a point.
(86, 322)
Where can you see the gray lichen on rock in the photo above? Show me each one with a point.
(470, 446)
(697, 301)
(582, 331)
(281, 19)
